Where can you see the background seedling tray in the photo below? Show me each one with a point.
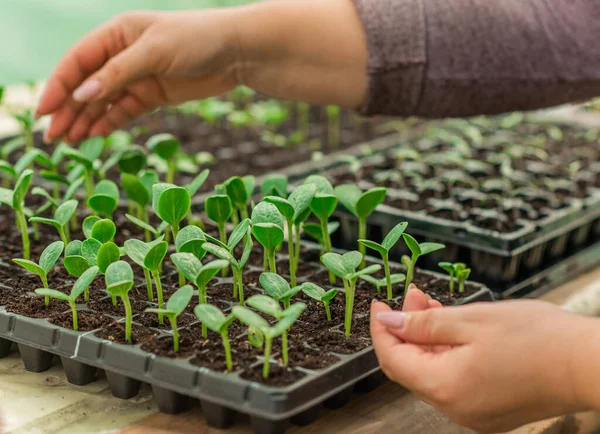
(176, 381)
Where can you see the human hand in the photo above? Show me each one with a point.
(490, 366)
(306, 50)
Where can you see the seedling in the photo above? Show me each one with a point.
(166, 146)
(382, 283)
(277, 287)
(383, 249)
(132, 160)
(293, 209)
(462, 275)
(314, 231)
(193, 270)
(175, 307)
(62, 217)
(48, 260)
(219, 209)
(451, 269)
(269, 114)
(212, 317)
(86, 156)
(137, 251)
(317, 293)
(105, 198)
(345, 267)
(213, 109)
(271, 307)
(323, 205)
(119, 281)
(225, 251)
(193, 188)
(361, 205)
(417, 251)
(274, 185)
(139, 191)
(190, 240)
(81, 285)
(27, 121)
(239, 191)
(267, 228)
(15, 199)
(252, 319)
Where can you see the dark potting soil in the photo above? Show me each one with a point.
(278, 375)
(86, 321)
(115, 332)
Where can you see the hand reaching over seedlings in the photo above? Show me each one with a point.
(523, 360)
(109, 78)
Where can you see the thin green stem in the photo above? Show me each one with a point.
(143, 213)
(175, 229)
(74, 310)
(36, 231)
(452, 283)
(461, 286)
(362, 235)
(409, 273)
(272, 264)
(128, 318)
(284, 348)
(173, 321)
(235, 219)
(171, 171)
(29, 145)
(265, 260)
(45, 284)
(244, 212)
(114, 300)
(298, 229)
(349, 295)
(223, 238)
(290, 228)
(63, 235)
(159, 294)
(22, 221)
(202, 300)
(267, 355)
(74, 223)
(56, 191)
(148, 284)
(327, 310)
(327, 245)
(227, 348)
(388, 277)
(89, 184)
(239, 284)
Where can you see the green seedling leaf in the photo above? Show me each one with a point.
(84, 282)
(427, 248)
(464, 274)
(105, 198)
(209, 271)
(108, 254)
(221, 253)
(197, 183)
(250, 318)
(21, 189)
(132, 161)
(317, 293)
(143, 225)
(65, 211)
(88, 224)
(283, 206)
(103, 230)
(73, 188)
(336, 264)
(374, 246)
(277, 287)
(314, 231)
(348, 195)
(73, 248)
(274, 185)
(137, 250)
(166, 146)
(6, 167)
(323, 205)
(90, 249)
(188, 264)
(52, 293)
(321, 183)
(368, 270)
(173, 205)
(249, 183)
(135, 189)
(75, 265)
(218, 208)
(180, 299)
(190, 240)
(269, 235)
(156, 255)
(238, 234)
(92, 148)
(119, 278)
(352, 260)
(265, 304)
(54, 177)
(265, 212)
(30, 266)
(50, 255)
(291, 314)
(394, 235)
(212, 317)
(256, 337)
(412, 244)
(369, 201)
(301, 199)
(447, 266)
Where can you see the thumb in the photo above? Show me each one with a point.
(437, 326)
(125, 68)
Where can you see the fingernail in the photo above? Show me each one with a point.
(412, 286)
(87, 91)
(393, 318)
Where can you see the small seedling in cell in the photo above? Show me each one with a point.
(175, 307)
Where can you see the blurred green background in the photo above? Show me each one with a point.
(35, 33)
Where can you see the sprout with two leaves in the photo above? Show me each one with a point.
(317, 293)
(139, 192)
(267, 228)
(138, 251)
(86, 157)
(395, 279)
(240, 191)
(175, 307)
(383, 249)
(47, 262)
(252, 319)
(16, 200)
(323, 205)
(219, 209)
(119, 281)
(294, 209)
(361, 205)
(417, 251)
(225, 252)
(62, 216)
(345, 267)
(200, 275)
(105, 198)
(271, 307)
(212, 318)
(166, 147)
(274, 185)
(80, 286)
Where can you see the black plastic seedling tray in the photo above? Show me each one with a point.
(175, 382)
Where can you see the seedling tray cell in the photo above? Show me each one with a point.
(176, 382)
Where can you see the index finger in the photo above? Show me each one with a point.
(83, 59)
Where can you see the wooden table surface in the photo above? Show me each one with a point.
(389, 409)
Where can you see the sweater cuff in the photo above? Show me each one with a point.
(396, 40)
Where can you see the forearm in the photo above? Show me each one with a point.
(586, 364)
(439, 58)
(308, 50)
